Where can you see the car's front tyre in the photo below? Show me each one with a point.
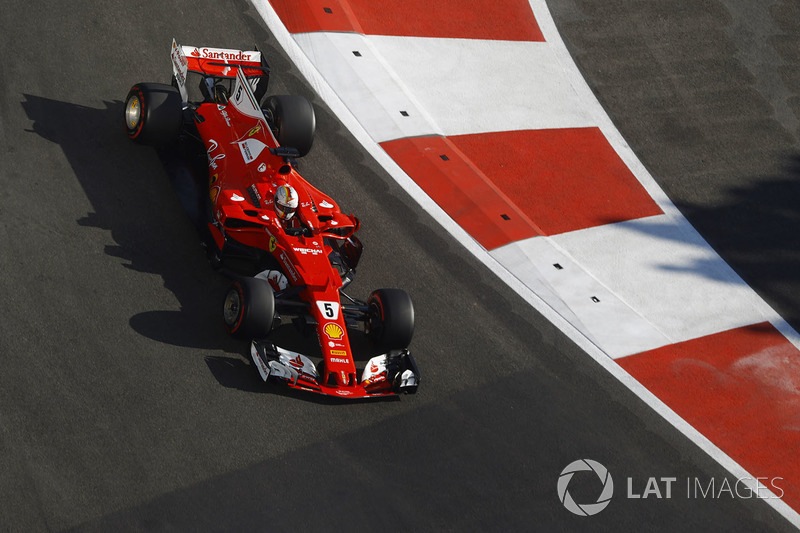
(294, 120)
(390, 319)
(249, 308)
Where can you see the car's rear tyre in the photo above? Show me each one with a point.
(153, 113)
(294, 120)
(390, 321)
(249, 308)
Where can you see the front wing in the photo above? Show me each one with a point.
(389, 374)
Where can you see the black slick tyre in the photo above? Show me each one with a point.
(390, 322)
(249, 308)
(293, 119)
(153, 113)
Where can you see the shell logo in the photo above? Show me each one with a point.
(333, 331)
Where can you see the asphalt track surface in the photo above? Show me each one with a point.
(123, 404)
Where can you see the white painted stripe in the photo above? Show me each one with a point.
(577, 295)
(662, 268)
(463, 85)
(349, 120)
(370, 89)
(636, 285)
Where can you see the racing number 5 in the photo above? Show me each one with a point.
(329, 310)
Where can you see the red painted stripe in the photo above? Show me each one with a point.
(563, 179)
(316, 15)
(510, 20)
(741, 389)
(462, 190)
(545, 182)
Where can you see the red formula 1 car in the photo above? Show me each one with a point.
(287, 246)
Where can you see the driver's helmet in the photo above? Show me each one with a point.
(285, 202)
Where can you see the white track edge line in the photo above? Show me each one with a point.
(318, 83)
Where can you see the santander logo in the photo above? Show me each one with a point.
(217, 53)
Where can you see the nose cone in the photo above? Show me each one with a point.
(344, 379)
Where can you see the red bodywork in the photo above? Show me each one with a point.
(243, 175)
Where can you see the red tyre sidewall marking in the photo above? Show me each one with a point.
(134, 134)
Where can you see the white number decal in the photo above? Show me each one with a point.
(330, 310)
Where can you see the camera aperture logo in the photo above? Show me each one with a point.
(585, 509)
(664, 487)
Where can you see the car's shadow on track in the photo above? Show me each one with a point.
(132, 198)
(142, 199)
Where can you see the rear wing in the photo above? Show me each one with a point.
(219, 63)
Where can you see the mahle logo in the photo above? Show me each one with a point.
(585, 509)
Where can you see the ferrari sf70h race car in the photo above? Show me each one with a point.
(287, 246)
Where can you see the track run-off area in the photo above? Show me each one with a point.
(124, 405)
